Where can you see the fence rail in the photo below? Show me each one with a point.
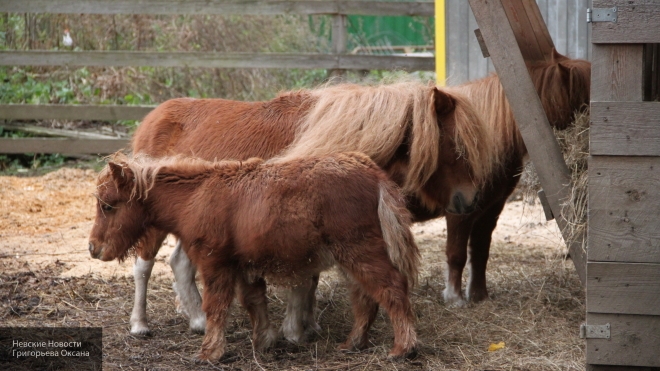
(221, 7)
(338, 60)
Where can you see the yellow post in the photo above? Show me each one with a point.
(440, 50)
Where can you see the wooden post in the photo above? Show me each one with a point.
(339, 39)
(539, 138)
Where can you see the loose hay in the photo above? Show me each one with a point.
(574, 144)
(536, 308)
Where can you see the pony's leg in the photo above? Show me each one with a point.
(218, 295)
(365, 309)
(480, 239)
(252, 296)
(372, 269)
(299, 316)
(458, 233)
(187, 296)
(141, 273)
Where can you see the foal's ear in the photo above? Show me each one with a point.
(444, 103)
(120, 174)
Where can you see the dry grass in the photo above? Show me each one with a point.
(536, 308)
(574, 144)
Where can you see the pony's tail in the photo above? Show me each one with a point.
(395, 222)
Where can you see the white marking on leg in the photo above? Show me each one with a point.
(187, 294)
(141, 273)
(453, 299)
(292, 326)
(468, 290)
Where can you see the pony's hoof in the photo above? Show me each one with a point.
(478, 296)
(267, 340)
(140, 330)
(198, 325)
(453, 300)
(401, 355)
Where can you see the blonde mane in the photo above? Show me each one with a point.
(563, 86)
(376, 120)
(146, 169)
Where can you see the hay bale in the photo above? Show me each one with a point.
(574, 144)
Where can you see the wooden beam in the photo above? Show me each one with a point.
(253, 7)
(61, 145)
(525, 103)
(638, 22)
(215, 60)
(529, 29)
(625, 288)
(51, 132)
(616, 73)
(73, 112)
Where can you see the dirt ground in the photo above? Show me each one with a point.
(48, 278)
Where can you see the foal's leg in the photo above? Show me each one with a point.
(365, 309)
(252, 296)
(141, 274)
(300, 311)
(458, 233)
(372, 269)
(187, 295)
(480, 239)
(218, 295)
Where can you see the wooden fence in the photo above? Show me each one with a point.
(338, 60)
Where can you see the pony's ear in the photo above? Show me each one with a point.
(120, 174)
(444, 103)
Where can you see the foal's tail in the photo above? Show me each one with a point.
(395, 222)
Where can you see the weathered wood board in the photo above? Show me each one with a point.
(623, 288)
(625, 128)
(424, 8)
(634, 340)
(215, 60)
(638, 21)
(73, 112)
(61, 145)
(616, 73)
(624, 209)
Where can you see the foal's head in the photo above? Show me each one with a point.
(120, 215)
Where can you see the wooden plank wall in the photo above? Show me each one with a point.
(566, 21)
(623, 262)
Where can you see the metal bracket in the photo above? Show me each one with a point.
(546, 205)
(595, 331)
(602, 15)
(482, 43)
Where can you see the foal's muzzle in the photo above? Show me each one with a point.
(93, 253)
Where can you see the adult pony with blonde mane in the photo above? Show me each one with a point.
(430, 141)
(563, 84)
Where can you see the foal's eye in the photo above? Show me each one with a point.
(106, 207)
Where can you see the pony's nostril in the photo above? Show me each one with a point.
(91, 248)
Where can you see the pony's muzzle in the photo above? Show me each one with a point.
(94, 253)
(460, 205)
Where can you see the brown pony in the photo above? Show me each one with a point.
(563, 86)
(430, 141)
(288, 220)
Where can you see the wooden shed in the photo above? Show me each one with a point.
(623, 258)
(620, 264)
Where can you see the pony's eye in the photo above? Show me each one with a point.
(106, 207)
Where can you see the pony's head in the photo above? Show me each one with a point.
(120, 216)
(563, 84)
(465, 158)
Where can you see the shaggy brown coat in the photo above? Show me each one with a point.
(242, 221)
